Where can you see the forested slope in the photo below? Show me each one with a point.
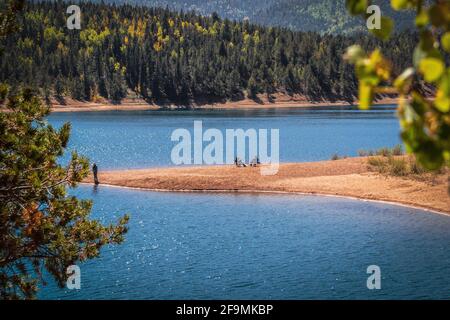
(325, 16)
(165, 56)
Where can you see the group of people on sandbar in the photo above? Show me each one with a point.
(239, 163)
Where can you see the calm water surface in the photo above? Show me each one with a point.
(136, 139)
(223, 246)
(219, 246)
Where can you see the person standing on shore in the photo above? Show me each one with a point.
(95, 172)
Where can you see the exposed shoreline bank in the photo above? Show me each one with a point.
(349, 178)
(140, 105)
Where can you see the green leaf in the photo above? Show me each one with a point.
(445, 40)
(445, 83)
(432, 69)
(419, 54)
(357, 6)
(442, 101)
(387, 25)
(422, 18)
(366, 93)
(399, 4)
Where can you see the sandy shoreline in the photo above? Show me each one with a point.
(344, 178)
(140, 105)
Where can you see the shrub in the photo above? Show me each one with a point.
(385, 152)
(397, 167)
(397, 150)
(415, 167)
(377, 162)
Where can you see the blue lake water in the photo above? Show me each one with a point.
(225, 246)
(242, 246)
(136, 139)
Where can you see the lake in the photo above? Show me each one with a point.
(226, 246)
(250, 246)
(117, 140)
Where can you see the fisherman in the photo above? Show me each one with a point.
(95, 172)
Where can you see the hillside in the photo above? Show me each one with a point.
(325, 16)
(168, 57)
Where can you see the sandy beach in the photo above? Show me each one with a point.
(349, 177)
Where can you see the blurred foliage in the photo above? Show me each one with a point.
(425, 121)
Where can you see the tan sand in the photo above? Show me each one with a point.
(348, 177)
(279, 101)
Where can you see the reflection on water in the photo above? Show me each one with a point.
(218, 246)
(137, 139)
(95, 189)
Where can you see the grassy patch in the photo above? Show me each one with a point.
(377, 162)
(338, 157)
(383, 152)
(397, 150)
(396, 166)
